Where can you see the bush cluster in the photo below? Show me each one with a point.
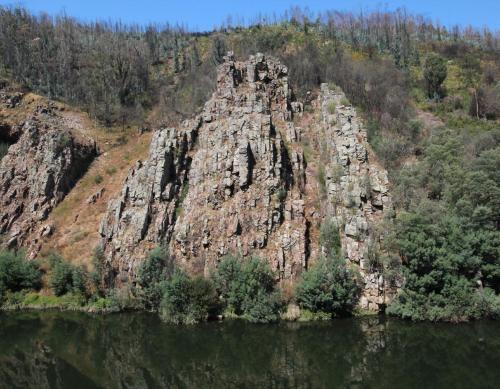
(188, 300)
(67, 278)
(448, 232)
(248, 289)
(245, 288)
(329, 287)
(238, 287)
(17, 273)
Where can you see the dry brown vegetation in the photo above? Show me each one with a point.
(75, 220)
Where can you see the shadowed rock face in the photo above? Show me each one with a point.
(36, 174)
(8, 134)
(222, 183)
(232, 181)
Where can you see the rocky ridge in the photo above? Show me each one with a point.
(222, 183)
(35, 175)
(233, 181)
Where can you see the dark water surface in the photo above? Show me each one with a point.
(75, 350)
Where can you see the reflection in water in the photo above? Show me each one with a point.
(60, 350)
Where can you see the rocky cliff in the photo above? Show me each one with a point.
(37, 172)
(252, 174)
(223, 183)
(233, 181)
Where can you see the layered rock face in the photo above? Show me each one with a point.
(237, 189)
(244, 185)
(233, 181)
(144, 214)
(36, 174)
(358, 195)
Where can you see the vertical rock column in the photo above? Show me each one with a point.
(358, 195)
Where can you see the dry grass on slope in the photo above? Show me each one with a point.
(75, 221)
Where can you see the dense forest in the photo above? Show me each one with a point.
(398, 69)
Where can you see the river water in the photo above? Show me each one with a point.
(54, 349)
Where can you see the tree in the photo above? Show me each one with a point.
(151, 274)
(248, 289)
(188, 300)
(435, 73)
(328, 287)
(17, 273)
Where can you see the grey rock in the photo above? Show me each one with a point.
(37, 173)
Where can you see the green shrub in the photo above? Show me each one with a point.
(281, 194)
(14, 299)
(188, 300)
(151, 273)
(248, 289)
(328, 287)
(182, 196)
(329, 238)
(98, 179)
(17, 273)
(66, 278)
(111, 170)
(345, 101)
(331, 107)
(100, 304)
(63, 141)
(263, 307)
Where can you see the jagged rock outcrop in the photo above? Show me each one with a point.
(358, 194)
(144, 214)
(223, 183)
(233, 181)
(36, 174)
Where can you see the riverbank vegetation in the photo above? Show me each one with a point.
(238, 288)
(247, 289)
